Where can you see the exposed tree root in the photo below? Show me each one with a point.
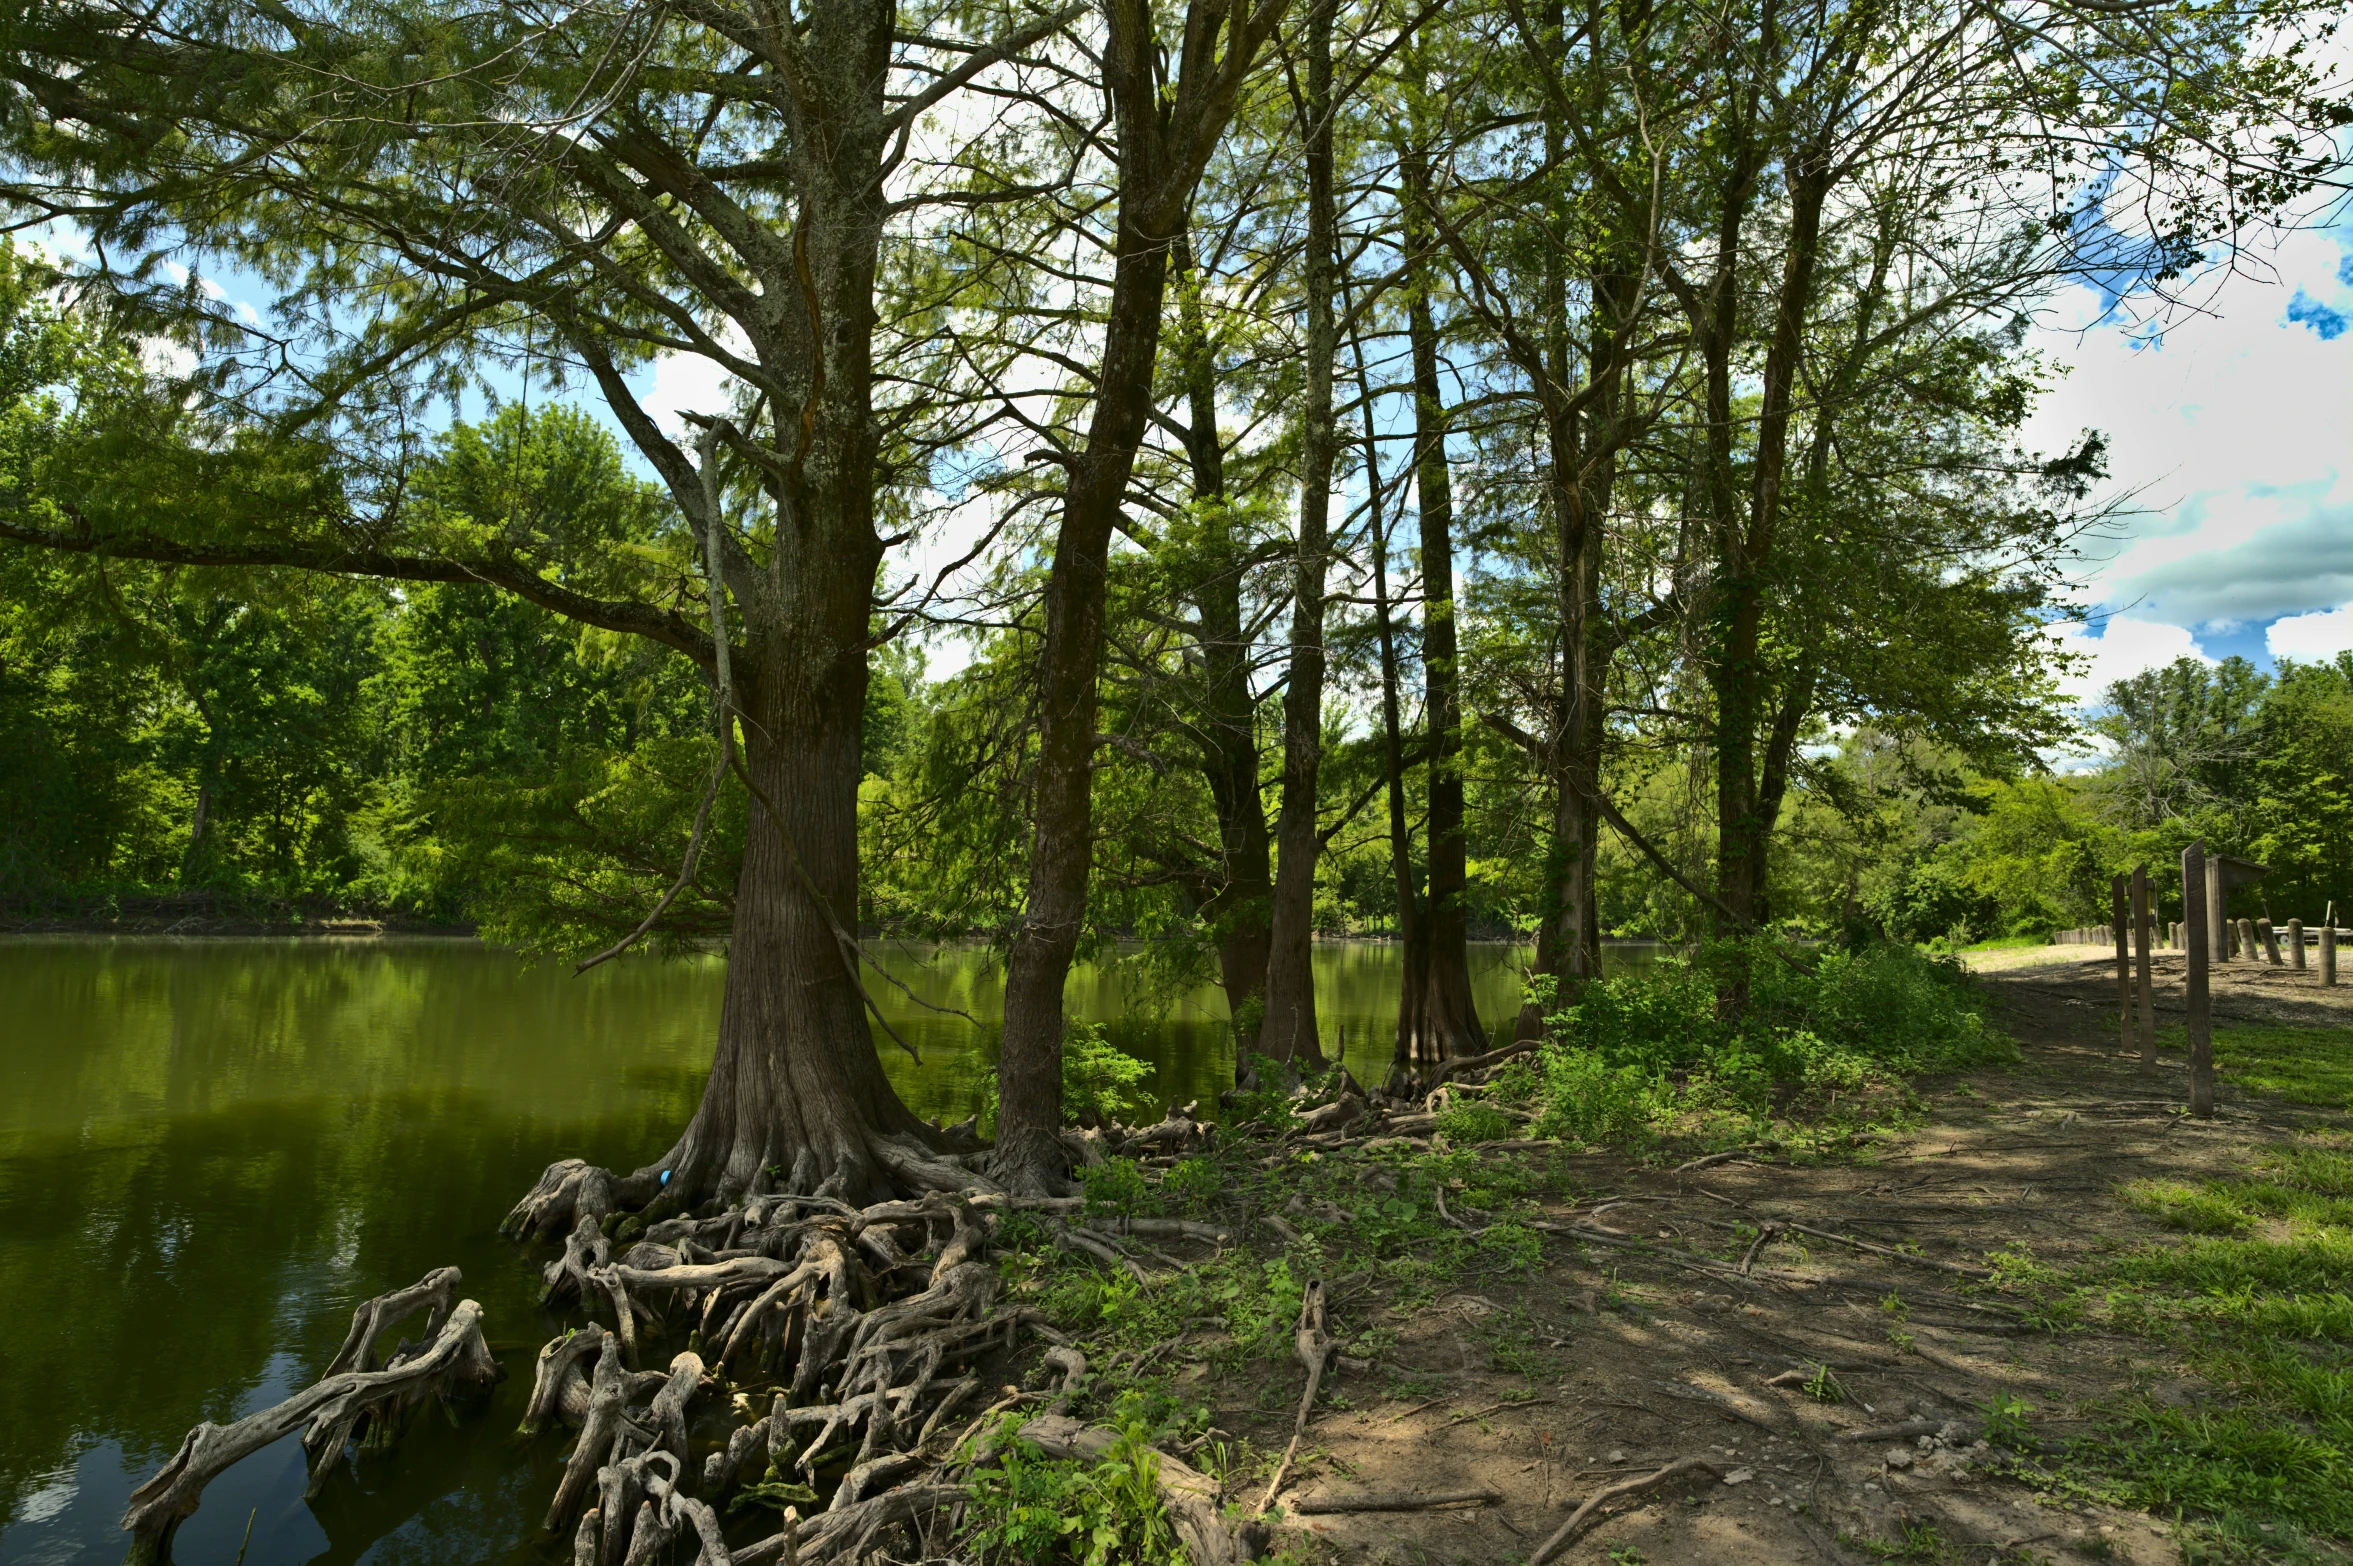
(1588, 1514)
(1313, 1347)
(850, 1331)
(352, 1399)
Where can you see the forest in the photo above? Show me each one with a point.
(1165, 483)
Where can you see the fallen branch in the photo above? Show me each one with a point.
(1330, 1505)
(1889, 1251)
(1903, 1430)
(1313, 1347)
(1733, 1155)
(1585, 1515)
(327, 1413)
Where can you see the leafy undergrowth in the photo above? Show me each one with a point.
(1823, 1056)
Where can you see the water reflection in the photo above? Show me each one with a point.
(209, 1151)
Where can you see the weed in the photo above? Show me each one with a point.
(1468, 1121)
(1824, 1387)
(1915, 1541)
(2005, 1422)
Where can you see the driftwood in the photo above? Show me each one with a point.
(455, 1360)
(1190, 1496)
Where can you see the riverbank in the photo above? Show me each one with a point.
(204, 914)
(2130, 1310)
(1995, 1333)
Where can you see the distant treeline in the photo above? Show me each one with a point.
(243, 746)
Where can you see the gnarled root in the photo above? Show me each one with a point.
(571, 1189)
(560, 1387)
(453, 1360)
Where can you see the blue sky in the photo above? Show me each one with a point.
(2230, 420)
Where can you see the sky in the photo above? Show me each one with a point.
(2230, 424)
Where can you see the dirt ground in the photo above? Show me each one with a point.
(1641, 1356)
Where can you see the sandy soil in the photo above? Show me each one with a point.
(1678, 1358)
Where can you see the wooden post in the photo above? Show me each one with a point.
(2296, 943)
(2217, 925)
(2141, 932)
(2328, 955)
(2270, 939)
(2203, 925)
(2246, 929)
(2120, 917)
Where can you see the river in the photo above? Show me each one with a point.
(210, 1150)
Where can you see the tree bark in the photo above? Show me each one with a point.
(1448, 1017)
(1166, 133)
(1226, 731)
(1289, 1036)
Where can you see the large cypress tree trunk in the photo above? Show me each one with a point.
(797, 1099)
(1290, 1033)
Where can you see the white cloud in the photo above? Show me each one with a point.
(687, 382)
(2231, 429)
(2311, 638)
(2125, 647)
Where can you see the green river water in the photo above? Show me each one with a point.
(210, 1150)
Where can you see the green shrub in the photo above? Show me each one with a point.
(1832, 1031)
(1101, 1081)
(1037, 1511)
(1467, 1121)
(1583, 1096)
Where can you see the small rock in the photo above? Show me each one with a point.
(1739, 1476)
(1617, 1455)
(1899, 1457)
(1926, 1443)
(1868, 1485)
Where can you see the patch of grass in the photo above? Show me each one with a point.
(2257, 1299)
(2185, 1207)
(2302, 1065)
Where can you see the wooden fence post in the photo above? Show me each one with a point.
(2328, 954)
(2217, 925)
(2246, 929)
(2296, 943)
(2203, 925)
(2120, 915)
(2141, 931)
(2270, 938)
